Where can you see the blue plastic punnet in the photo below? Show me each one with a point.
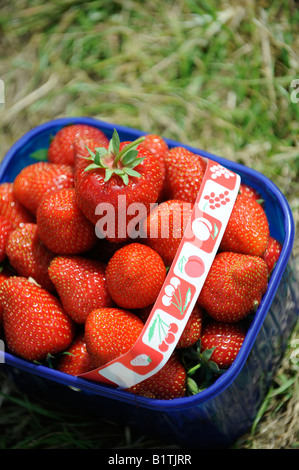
(220, 414)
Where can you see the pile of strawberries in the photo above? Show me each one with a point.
(81, 299)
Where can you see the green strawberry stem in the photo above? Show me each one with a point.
(115, 161)
(127, 147)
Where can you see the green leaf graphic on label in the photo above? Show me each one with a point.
(216, 231)
(181, 263)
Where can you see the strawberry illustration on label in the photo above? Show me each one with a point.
(141, 360)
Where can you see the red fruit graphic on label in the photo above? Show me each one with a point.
(194, 267)
(163, 346)
(170, 338)
(141, 360)
(173, 328)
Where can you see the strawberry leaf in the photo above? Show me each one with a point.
(114, 143)
(129, 157)
(131, 172)
(40, 155)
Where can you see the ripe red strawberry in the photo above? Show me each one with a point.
(5, 228)
(75, 360)
(247, 190)
(193, 329)
(37, 179)
(226, 338)
(11, 208)
(247, 230)
(61, 149)
(165, 226)
(62, 226)
(167, 384)
(35, 324)
(110, 333)
(118, 177)
(184, 174)
(134, 276)
(29, 256)
(4, 274)
(234, 286)
(156, 145)
(80, 284)
(272, 253)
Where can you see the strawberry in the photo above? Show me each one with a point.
(75, 360)
(11, 208)
(29, 256)
(62, 226)
(158, 147)
(247, 231)
(165, 226)
(35, 324)
(4, 274)
(61, 149)
(118, 177)
(134, 276)
(110, 333)
(184, 174)
(225, 338)
(37, 179)
(5, 228)
(234, 286)
(168, 383)
(192, 330)
(247, 190)
(80, 284)
(272, 253)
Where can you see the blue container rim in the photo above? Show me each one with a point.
(230, 375)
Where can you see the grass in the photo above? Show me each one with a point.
(216, 75)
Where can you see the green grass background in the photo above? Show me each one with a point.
(213, 74)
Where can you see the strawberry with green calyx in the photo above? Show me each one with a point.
(29, 256)
(225, 339)
(61, 149)
(38, 179)
(11, 208)
(120, 175)
(34, 321)
(110, 333)
(168, 383)
(272, 253)
(75, 360)
(80, 284)
(247, 231)
(164, 227)
(184, 172)
(134, 276)
(234, 286)
(62, 227)
(213, 354)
